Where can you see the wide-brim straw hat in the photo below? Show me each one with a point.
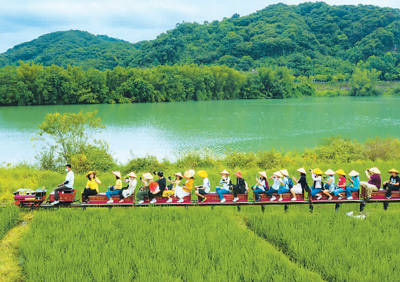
(239, 174)
(179, 174)
(224, 172)
(263, 174)
(353, 173)
(341, 172)
(90, 172)
(284, 172)
(329, 172)
(131, 174)
(147, 176)
(278, 173)
(375, 170)
(393, 171)
(317, 171)
(189, 173)
(302, 170)
(202, 173)
(117, 173)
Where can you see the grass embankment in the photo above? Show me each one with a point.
(14, 178)
(337, 247)
(151, 244)
(324, 89)
(8, 218)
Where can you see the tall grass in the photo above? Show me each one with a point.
(154, 244)
(338, 247)
(8, 218)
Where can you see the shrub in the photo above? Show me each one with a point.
(384, 149)
(92, 157)
(147, 163)
(195, 160)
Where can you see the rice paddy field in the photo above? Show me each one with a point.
(205, 244)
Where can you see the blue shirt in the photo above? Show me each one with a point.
(356, 182)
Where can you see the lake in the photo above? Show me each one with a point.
(168, 130)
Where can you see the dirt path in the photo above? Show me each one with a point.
(10, 269)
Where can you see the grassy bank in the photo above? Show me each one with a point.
(8, 218)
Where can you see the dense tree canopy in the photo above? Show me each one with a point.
(313, 39)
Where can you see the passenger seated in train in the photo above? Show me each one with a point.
(92, 186)
(162, 184)
(373, 184)
(204, 189)
(116, 189)
(241, 186)
(354, 184)
(341, 186)
(143, 192)
(183, 191)
(169, 192)
(277, 183)
(225, 185)
(67, 185)
(301, 185)
(261, 186)
(287, 184)
(392, 184)
(316, 188)
(130, 189)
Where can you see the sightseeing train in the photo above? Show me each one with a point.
(38, 198)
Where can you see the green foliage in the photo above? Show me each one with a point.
(31, 84)
(72, 135)
(329, 243)
(8, 218)
(148, 163)
(179, 245)
(312, 39)
(383, 149)
(363, 82)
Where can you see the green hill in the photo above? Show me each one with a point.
(72, 47)
(313, 39)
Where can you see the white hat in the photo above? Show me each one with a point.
(117, 173)
(189, 173)
(330, 172)
(224, 172)
(179, 174)
(353, 173)
(284, 172)
(263, 174)
(148, 176)
(132, 174)
(278, 173)
(375, 170)
(302, 170)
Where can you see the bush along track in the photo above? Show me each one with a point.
(10, 268)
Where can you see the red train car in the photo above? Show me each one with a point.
(66, 197)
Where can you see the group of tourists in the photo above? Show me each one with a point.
(180, 186)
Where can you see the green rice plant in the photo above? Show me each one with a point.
(151, 244)
(338, 247)
(8, 218)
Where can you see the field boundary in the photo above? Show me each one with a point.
(10, 268)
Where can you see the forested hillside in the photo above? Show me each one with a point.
(313, 39)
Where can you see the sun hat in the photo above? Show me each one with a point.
(263, 174)
(147, 176)
(317, 171)
(224, 172)
(353, 173)
(179, 174)
(189, 173)
(284, 172)
(91, 172)
(341, 172)
(239, 174)
(132, 174)
(393, 171)
(330, 172)
(117, 173)
(203, 173)
(375, 170)
(278, 173)
(302, 170)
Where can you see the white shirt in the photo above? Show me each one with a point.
(225, 183)
(70, 179)
(317, 180)
(261, 183)
(206, 185)
(277, 183)
(131, 188)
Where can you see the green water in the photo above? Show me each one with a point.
(168, 130)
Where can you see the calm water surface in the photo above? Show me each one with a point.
(167, 130)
